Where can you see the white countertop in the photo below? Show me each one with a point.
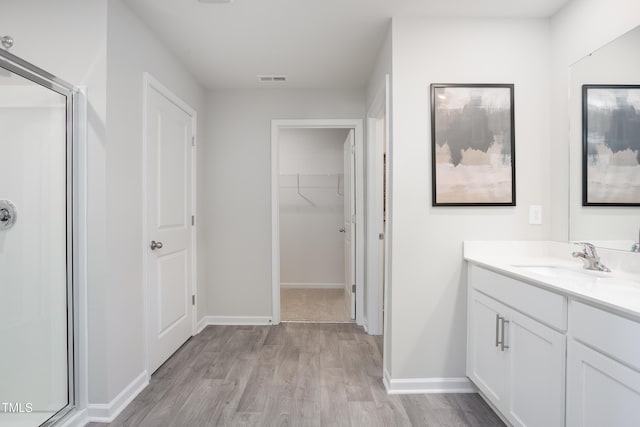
(550, 265)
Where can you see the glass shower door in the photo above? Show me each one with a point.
(36, 298)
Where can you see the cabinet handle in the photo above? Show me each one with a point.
(498, 319)
(503, 346)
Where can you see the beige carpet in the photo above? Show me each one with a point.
(314, 305)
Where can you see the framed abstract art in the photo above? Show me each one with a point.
(473, 145)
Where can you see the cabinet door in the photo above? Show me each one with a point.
(600, 391)
(536, 372)
(485, 360)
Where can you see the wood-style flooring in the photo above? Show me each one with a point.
(294, 374)
(313, 305)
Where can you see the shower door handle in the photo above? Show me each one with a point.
(155, 245)
(8, 214)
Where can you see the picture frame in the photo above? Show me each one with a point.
(473, 145)
(610, 145)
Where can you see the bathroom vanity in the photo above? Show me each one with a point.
(550, 343)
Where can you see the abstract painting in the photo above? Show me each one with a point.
(473, 145)
(611, 145)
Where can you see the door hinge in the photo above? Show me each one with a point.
(193, 141)
(193, 300)
(193, 220)
(381, 236)
(353, 288)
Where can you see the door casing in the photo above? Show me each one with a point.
(378, 141)
(349, 231)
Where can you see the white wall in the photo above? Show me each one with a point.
(131, 50)
(428, 321)
(381, 68)
(578, 29)
(311, 247)
(237, 197)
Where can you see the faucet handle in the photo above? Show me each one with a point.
(590, 257)
(588, 248)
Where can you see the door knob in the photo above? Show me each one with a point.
(341, 230)
(8, 214)
(155, 245)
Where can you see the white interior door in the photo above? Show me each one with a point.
(349, 226)
(168, 208)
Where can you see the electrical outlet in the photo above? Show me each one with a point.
(535, 214)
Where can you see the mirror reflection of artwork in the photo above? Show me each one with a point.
(472, 144)
(611, 145)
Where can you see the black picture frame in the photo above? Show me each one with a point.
(610, 145)
(473, 148)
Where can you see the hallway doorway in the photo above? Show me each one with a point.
(317, 231)
(317, 237)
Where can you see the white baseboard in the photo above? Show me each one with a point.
(312, 285)
(107, 412)
(233, 320)
(78, 418)
(385, 379)
(427, 385)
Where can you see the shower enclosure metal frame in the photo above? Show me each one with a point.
(43, 78)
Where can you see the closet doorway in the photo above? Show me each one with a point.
(317, 256)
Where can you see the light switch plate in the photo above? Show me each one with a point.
(535, 214)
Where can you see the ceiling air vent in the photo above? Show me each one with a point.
(267, 79)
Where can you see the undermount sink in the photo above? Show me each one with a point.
(594, 281)
(563, 272)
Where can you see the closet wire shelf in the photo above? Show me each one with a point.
(318, 181)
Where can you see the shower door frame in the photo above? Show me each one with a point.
(43, 78)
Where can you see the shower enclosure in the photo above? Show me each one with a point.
(37, 299)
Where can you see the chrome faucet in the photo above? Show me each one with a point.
(636, 246)
(590, 257)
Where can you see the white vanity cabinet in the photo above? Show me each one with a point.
(603, 368)
(516, 347)
(486, 361)
(571, 337)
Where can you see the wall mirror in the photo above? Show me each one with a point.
(618, 168)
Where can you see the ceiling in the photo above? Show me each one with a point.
(315, 43)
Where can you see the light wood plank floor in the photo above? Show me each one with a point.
(294, 374)
(317, 305)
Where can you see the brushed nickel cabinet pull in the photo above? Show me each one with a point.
(503, 346)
